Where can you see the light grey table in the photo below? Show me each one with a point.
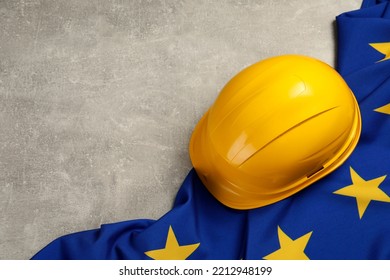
(98, 100)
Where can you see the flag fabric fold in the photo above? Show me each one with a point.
(197, 227)
(345, 215)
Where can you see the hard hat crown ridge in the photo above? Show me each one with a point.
(275, 128)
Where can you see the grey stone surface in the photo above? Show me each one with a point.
(98, 100)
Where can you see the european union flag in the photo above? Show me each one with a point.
(346, 215)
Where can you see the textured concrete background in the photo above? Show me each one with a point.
(98, 100)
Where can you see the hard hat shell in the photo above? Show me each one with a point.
(275, 128)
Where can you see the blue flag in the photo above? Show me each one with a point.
(345, 215)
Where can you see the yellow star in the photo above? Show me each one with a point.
(290, 249)
(383, 48)
(384, 109)
(364, 191)
(172, 250)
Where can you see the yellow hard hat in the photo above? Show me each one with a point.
(276, 127)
